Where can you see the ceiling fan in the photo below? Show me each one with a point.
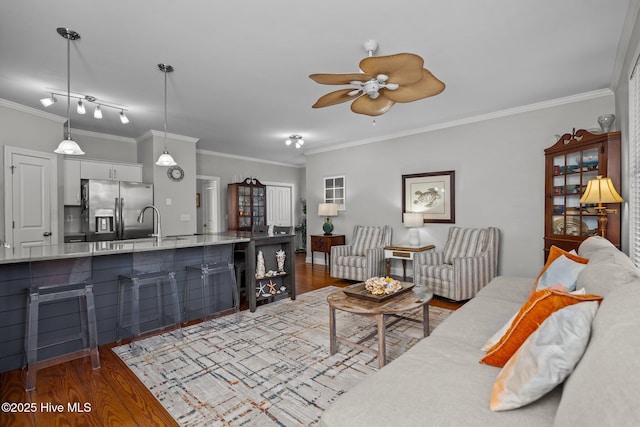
(384, 80)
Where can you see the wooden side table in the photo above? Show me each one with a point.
(403, 252)
(323, 243)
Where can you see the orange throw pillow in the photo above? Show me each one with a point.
(539, 306)
(554, 253)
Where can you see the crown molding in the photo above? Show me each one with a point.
(106, 136)
(250, 159)
(32, 111)
(473, 119)
(174, 136)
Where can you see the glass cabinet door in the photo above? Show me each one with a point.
(244, 206)
(571, 173)
(259, 206)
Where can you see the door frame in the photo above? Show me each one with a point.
(9, 151)
(221, 225)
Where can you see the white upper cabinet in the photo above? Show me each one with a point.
(71, 182)
(90, 169)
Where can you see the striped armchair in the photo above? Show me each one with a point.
(467, 263)
(364, 257)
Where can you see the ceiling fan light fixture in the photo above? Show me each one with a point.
(50, 100)
(385, 80)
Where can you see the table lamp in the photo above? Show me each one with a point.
(327, 210)
(601, 190)
(413, 220)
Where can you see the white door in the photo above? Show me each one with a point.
(279, 206)
(212, 207)
(30, 214)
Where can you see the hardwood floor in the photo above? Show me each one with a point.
(113, 394)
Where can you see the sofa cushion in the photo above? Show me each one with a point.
(545, 359)
(464, 242)
(438, 382)
(531, 315)
(604, 389)
(366, 238)
(608, 268)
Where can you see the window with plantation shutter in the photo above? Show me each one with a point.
(634, 165)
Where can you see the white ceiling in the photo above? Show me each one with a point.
(241, 80)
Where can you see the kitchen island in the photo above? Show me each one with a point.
(109, 260)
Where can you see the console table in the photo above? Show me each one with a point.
(323, 243)
(403, 252)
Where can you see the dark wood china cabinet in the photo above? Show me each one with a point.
(570, 163)
(247, 204)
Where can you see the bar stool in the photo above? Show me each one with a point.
(151, 267)
(217, 264)
(60, 273)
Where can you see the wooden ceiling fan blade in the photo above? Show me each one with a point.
(371, 107)
(430, 85)
(336, 97)
(339, 79)
(402, 68)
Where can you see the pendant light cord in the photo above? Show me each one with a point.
(165, 110)
(68, 87)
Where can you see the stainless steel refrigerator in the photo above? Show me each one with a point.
(110, 210)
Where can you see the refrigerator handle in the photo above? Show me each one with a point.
(121, 217)
(117, 219)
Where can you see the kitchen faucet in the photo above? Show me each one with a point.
(158, 233)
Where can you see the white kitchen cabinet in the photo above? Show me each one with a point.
(90, 169)
(71, 182)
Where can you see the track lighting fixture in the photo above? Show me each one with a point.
(295, 139)
(48, 101)
(123, 118)
(82, 101)
(68, 145)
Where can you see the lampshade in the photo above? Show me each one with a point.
(327, 209)
(601, 190)
(165, 159)
(70, 147)
(412, 219)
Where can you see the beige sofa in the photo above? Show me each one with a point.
(439, 381)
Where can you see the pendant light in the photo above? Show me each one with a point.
(165, 158)
(68, 145)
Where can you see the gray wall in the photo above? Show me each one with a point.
(232, 169)
(499, 177)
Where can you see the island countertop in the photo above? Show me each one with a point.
(70, 250)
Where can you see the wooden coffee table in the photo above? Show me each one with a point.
(413, 299)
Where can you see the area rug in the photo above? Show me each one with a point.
(272, 368)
